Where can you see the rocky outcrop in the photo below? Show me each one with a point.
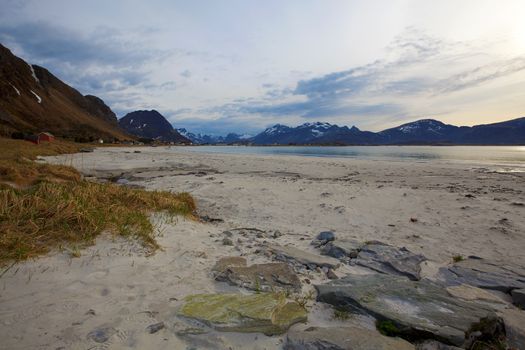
(268, 313)
(416, 309)
(342, 248)
(298, 256)
(391, 260)
(341, 338)
(484, 274)
(374, 255)
(259, 277)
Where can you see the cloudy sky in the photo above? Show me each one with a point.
(242, 65)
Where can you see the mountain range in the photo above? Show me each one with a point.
(424, 131)
(32, 99)
(203, 139)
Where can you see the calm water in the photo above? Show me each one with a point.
(514, 155)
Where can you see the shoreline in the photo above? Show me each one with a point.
(458, 209)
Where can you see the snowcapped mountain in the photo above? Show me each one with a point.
(312, 133)
(203, 139)
(421, 131)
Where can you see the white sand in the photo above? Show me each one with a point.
(43, 303)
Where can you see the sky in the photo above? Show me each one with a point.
(242, 65)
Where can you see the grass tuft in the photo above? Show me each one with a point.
(457, 258)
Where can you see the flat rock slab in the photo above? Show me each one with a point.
(258, 277)
(342, 248)
(484, 274)
(289, 253)
(468, 292)
(514, 321)
(390, 260)
(268, 313)
(419, 309)
(341, 338)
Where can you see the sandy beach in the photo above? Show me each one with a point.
(438, 209)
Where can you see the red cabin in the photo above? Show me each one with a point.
(45, 136)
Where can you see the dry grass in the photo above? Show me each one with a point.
(18, 168)
(47, 206)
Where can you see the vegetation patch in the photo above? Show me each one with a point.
(388, 328)
(52, 207)
(457, 258)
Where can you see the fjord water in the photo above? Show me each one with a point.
(512, 155)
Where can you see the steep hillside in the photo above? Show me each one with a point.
(151, 125)
(32, 99)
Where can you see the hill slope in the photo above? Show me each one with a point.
(32, 99)
(151, 125)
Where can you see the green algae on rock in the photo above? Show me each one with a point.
(268, 313)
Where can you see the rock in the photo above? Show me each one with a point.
(288, 253)
(122, 181)
(154, 328)
(191, 331)
(341, 338)
(481, 273)
(435, 345)
(390, 260)
(258, 277)
(268, 313)
(227, 241)
(101, 334)
(518, 297)
(326, 236)
(514, 321)
(331, 274)
(413, 308)
(223, 263)
(467, 292)
(342, 248)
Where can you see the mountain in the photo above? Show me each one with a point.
(151, 125)
(422, 131)
(425, 131)
(213, 139)
(314, 133)
(32, 99)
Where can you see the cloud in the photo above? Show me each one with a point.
(105, 62)
(416, 67)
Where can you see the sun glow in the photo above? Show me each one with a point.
(519, 34)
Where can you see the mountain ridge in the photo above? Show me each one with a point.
(32, 99)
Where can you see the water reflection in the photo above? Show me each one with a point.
(485, 154)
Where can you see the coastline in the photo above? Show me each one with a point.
(458, 209)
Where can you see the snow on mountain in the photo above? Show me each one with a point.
(38, 98)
